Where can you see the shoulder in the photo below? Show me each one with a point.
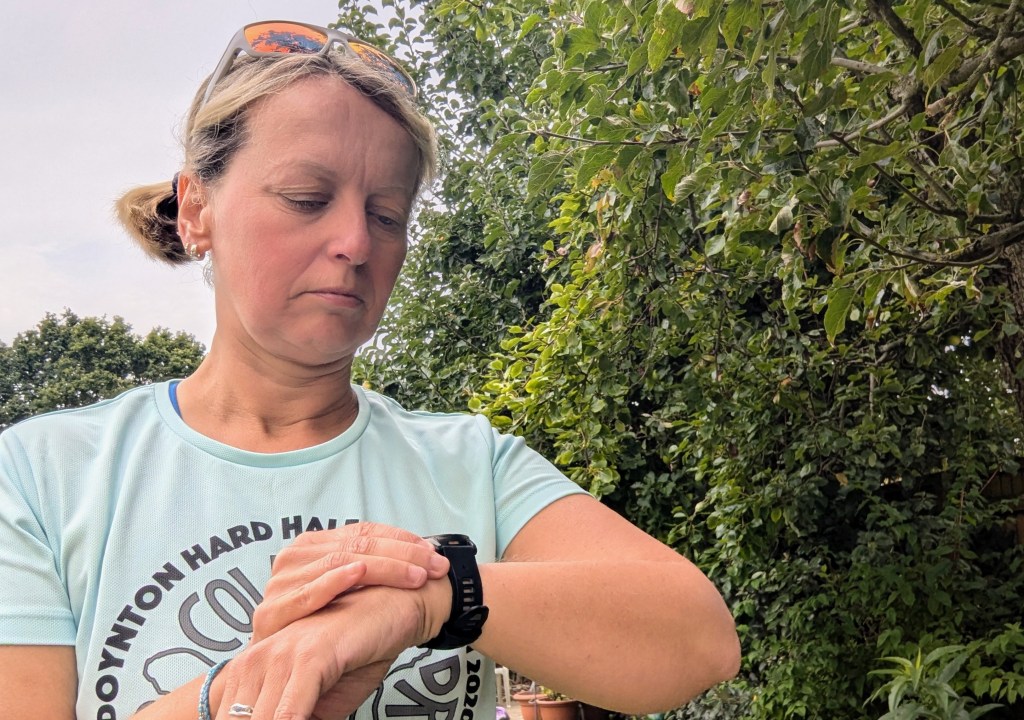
(86, 426)
(456, 435)
(387, 415)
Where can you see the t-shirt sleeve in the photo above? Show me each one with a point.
(34, 605)
(524, 484)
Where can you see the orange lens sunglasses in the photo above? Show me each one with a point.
(282, 37)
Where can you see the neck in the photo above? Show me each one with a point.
(262, 406)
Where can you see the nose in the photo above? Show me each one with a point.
(350, 238)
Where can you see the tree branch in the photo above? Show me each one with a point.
(880, 123)
(961, 258)
(1008, 50)
(858, 66)
(988, 61)
(588, 141)
(884, 12)
(929, 180)
(982, 30)
(989, 244)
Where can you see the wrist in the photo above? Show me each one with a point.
(437, 596)
(467, 612)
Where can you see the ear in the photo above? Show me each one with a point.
(194, 227)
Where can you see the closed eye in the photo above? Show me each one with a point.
(388, 221)
(305, 204)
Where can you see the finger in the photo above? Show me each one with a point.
(233, 691)
(379, 571)
(313, 560)
(299, 696)
(266, 706)
(371, 530)
(360, 529)
(277, 612)
(417, 552)
(255, 681)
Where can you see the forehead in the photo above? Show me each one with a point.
(325, 120)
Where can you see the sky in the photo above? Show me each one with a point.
(92, 96)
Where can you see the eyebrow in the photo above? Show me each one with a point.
(327, 173)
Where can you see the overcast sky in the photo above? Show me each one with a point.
(91, 99)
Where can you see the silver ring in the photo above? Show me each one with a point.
(240, 710)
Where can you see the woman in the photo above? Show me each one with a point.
(249, 542)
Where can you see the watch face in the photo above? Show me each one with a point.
(451, 540)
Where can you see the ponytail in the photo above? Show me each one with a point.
(150, 215)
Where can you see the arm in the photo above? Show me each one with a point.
(38, 681)
(583, 601)
(586, 603)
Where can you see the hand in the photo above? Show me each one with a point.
(319, 566)
(325, 665)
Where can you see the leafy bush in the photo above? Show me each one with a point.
(750, 273)
(933, 686)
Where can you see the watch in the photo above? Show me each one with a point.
(468, 613)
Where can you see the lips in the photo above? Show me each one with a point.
(339, 296)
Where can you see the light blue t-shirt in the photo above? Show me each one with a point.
(146, 545)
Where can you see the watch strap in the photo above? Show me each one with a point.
(468, 613)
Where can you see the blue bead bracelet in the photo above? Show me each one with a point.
(204, 694)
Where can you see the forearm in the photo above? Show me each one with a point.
(631, 636)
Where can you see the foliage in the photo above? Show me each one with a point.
(551, 694)
(747, 271)
(67, 361)
(472, 272)
(923, 687)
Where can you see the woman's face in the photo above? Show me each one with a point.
(308, 225)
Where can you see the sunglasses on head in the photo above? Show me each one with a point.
(277, 37)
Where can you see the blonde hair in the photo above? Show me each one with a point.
(214, 133)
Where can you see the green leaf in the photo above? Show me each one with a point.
(665, 37)
(544, 173)
(714, 245)
(581, 41)
(594, 159)
(735, 19)
(637, 60)
(837, 310)
(877, 153)
(941, 66)
(672, 174)
(783, 219)
(529, 24)
(819, 102)
(818, 44)
(686, 186)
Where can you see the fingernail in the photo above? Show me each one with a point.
(417, 574)
(438, 563)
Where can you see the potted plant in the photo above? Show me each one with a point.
(546, 704)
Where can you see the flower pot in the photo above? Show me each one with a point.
(537, 707)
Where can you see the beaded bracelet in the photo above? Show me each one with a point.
(204, 694)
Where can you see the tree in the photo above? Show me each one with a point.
(67, 362)
(773, 302)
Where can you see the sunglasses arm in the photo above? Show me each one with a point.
(236, 46)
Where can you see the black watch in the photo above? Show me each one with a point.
(469, 613)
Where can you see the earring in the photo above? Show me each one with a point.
(192, 250)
